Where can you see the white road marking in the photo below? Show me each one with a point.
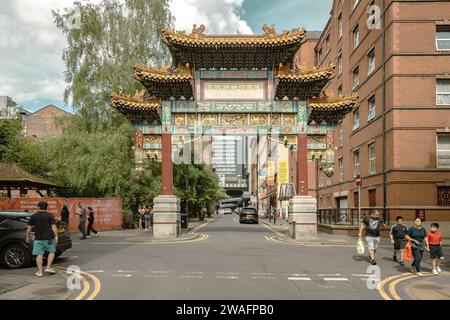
(226, 277)
(295, 274)
(155, 276)
(229, 273)
(329, 274)
(261, 274)
(264, 278)
(361, 275)
(194, 272)
(95, 271)
(191, 277)
(155, 271)
(127, 271)
(299, 279)
(335, 279)
(122, 275)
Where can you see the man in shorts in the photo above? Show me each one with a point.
(46, 237)
(372, 226)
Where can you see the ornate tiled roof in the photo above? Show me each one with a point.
(331, 109)
(136, 102)
(284, 73)
(269, 39)
(333, 103)
(164, 74)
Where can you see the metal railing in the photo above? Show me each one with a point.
(348, 216)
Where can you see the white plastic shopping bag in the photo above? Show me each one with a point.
(360, 246)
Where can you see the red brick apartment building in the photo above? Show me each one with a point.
(398, 137)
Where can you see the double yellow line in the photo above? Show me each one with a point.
(85, 277)
(391, 283)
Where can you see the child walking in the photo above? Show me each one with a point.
(398, 233)
(434, 240)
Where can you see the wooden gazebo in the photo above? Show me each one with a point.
(12, 177)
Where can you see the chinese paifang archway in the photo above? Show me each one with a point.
(231, 81)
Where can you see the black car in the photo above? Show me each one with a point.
(14, 251)
(248, 214)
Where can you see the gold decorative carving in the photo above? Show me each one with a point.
(153, 155)
(269, 31)
(179, 120)
(198, 32)
(289, 120)
(258, 119)
(152, 139)
(210, 120)
(234, 119)
(276, 120)
(192, 119)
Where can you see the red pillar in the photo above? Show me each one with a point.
(302, 164)
(167, 168)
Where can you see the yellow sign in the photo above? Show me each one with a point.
(270, 173)
(234, 90)
(283, 172)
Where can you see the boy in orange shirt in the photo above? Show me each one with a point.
(434, 241)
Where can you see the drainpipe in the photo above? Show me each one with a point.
(383, 74)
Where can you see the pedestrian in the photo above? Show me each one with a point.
(372, 224)
(65, 214)
(82, 223)
(46, 237)
(419, 242)
(397, 234)
(91, 220)
(273, 213)
(435, 242)
(147, 218)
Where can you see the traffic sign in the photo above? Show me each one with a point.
(358, 180)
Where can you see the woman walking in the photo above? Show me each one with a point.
(419, 242)
(147, 218)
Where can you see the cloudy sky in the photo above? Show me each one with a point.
(31, 68)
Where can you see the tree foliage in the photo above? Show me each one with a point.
(112, 37)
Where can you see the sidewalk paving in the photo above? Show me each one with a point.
(142, 236)
(282, 227)
(22, 284)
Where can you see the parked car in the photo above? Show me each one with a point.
(14, 251)
(248, 214)
(225, 211)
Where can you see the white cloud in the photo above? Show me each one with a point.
(31, 67)
(218, 16)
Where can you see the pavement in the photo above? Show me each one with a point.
(227, 260)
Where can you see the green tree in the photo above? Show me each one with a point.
(112, 37)
(9, 130)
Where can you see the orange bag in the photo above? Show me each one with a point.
(407, 252)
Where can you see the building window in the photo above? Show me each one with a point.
(443, 151)
(443, 92)
(355, 78)
(320, 178)
(356, 37)
(327, 42)
(355, 3)
(372, 198)
(341, 170)
(340, 91)
(372, 159)
(341, 135)
(443, 196)
(320, 56)
(340, 63)
(443, 39)
(340, 25)
(371, 62)
(355, 163)
(355, 119)
(372, 109)
(356, 199)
